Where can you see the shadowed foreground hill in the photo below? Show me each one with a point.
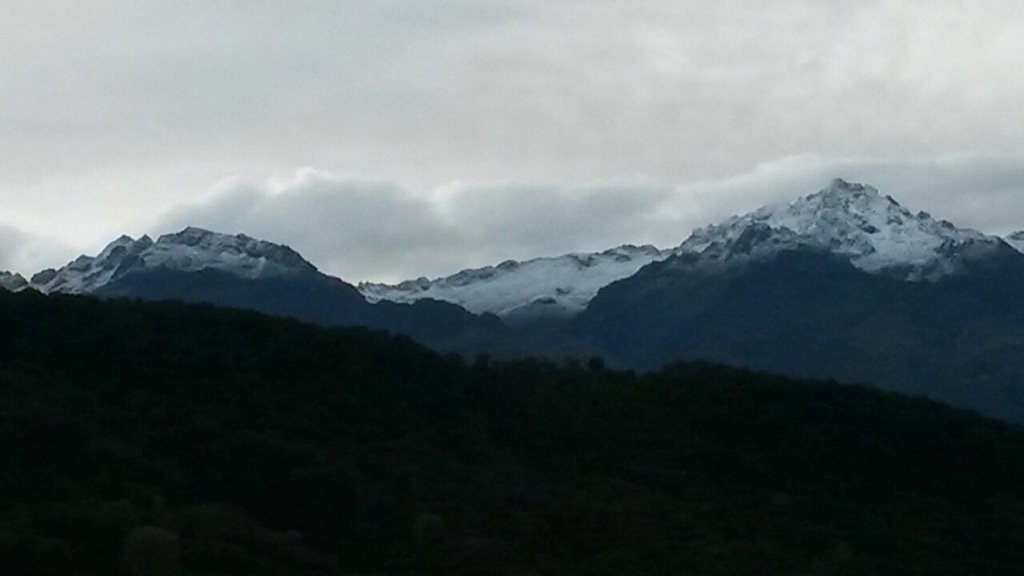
(162, 438)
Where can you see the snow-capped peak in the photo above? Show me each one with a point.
(12, 281)
(191, 250)
(1016, 240)
(852, 220)
(195, 249)
(561, 285)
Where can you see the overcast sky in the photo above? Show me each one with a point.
(389, 139)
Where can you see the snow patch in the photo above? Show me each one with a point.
(561, 285)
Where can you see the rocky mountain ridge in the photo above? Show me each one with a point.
(853, 221)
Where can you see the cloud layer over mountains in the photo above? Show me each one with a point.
(604, 121)
(26, 252)
(361, 229)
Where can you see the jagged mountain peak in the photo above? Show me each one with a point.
(190, 250)
(854, 201)
(841, 190)
(852, 220)
(197, 248)
(12, 281)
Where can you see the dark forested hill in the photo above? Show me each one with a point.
(316, 298)
(163, 438)
(808, 313)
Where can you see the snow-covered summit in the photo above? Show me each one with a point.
(191, 250)
(1016, 240)
(561, 285)
(851, 220)
(195, 249)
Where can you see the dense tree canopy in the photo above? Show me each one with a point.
(164, 438)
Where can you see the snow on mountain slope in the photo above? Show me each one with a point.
(853, 220)
(561, 285)
(12, 281)
(1016, 240)
(190, 250)
(874, 231)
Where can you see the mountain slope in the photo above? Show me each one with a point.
(12, 282)
(542, 287)
(854, 221)
(1016, 240)
(184, 439)
(829, 296)
(197, 265)
(191, 250)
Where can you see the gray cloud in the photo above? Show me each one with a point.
(27, 253)
(973, 190)
(361, 229)
(366, 230)
(111, 112)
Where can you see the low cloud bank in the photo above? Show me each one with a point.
(28, 253)
(363, 229)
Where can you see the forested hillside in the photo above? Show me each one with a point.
(164, 438)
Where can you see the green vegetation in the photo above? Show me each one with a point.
(163, 438)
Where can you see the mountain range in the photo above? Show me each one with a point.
(198, 265)
(854, 221)
(844, 283)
